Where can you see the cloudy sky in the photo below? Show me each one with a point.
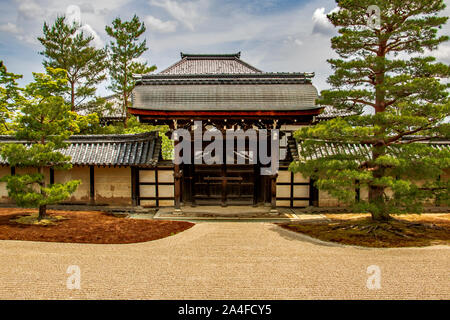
(273, 35)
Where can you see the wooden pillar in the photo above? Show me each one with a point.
(273, 194)
(357, 191)
(91, 185)
(52, 176)
(135, 186)
(192, 183)
(291, 200)
(313, 194)
(273, 182)
(177, 174)
(256, 181)
(156, 187)
(224, 186)
(177, 177)
(13, 171)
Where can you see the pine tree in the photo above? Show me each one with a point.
(383, 67)
(10, 98)
(44, 123)
(67, 47)
(124, 51)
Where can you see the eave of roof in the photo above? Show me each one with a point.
(234, 76)
(361, 151)
(141, 150)
(232, 97)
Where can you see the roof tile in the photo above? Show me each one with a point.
(116, 150)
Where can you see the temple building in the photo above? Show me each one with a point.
(223, 92)
(202, 95)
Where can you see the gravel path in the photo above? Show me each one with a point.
(222, 261)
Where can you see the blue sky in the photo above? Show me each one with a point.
(273, 35)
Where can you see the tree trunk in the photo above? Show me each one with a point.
(42, 208)
(72, 96)
(379, 211)
(125, 97)
(42, 212)
(125, 107)
(376, 198)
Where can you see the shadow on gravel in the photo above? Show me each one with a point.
(293, 236)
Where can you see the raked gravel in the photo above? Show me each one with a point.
(220, 260)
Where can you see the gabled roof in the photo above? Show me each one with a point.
(108, 150)
(222, 82)
(210, 64)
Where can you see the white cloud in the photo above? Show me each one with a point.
(442, 53)
(73, 15)
(159, 25)
(9, 27)
(186, 12)
(30, 9)
(97, 41)
(321, 24)
(298, 42)
(87, 8)
(293, 40)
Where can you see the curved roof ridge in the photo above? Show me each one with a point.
(213, 55)
(210, 64)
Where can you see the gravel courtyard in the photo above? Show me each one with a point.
(222, 261)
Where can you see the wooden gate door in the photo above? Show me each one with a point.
(223, 184)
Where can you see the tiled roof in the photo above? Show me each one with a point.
(362, 152)
(227, 97)
(205, 82)
(109, 150)
(210, 64)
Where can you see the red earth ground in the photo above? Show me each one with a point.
(87, 227)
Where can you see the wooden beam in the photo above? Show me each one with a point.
(255, 113)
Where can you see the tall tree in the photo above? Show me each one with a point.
(44, 123)
(383, 67)
(66, 46)
(10, 98)
(124, 51)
